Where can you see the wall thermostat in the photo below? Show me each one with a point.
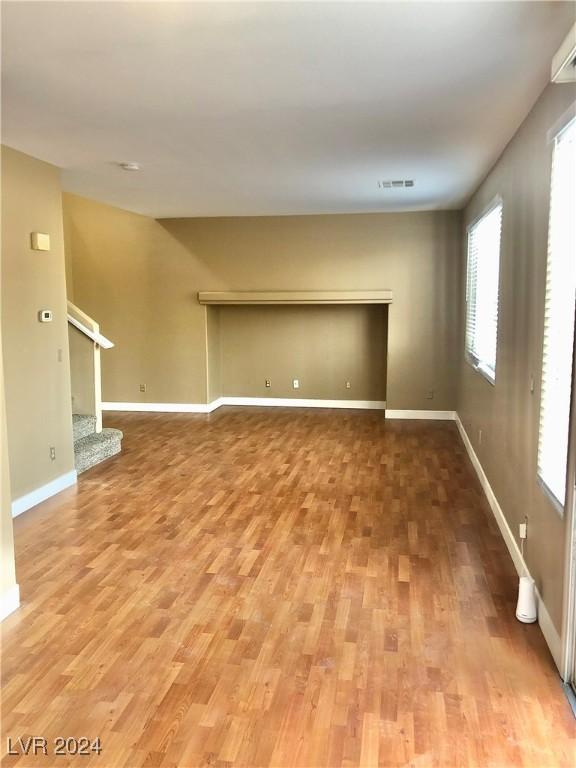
(45, 315)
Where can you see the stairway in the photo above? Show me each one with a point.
(91, 447)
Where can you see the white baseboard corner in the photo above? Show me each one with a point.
(30, 500)
(551, 634)
(9, 601)
(431, 415)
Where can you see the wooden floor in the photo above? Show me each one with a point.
(277, 587)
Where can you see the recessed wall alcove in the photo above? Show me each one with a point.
(333, 342)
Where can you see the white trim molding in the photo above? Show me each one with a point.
(282, 402)
(432, 415)
(298, 402)
(296, 297)
(163, 407)
(551, 634)
(44, 492)
(9, 601)
(264, 401)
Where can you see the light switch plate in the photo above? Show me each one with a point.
(40, 241)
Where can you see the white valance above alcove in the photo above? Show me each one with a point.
(295, 297)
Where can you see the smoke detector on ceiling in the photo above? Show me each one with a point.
(395, 183)
(564, 63)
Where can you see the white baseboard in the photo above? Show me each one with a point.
(432, 415)
(9, 601)
(551, 634)
(265, 401)
(162, 407)
(297, 402)
(285, 402)
(44, 492)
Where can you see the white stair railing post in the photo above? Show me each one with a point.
(90, 328)
(97, 388)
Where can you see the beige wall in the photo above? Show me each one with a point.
(139, 278)
(213, 353)
(323, 347)
(81, 372)
(7, 564)
(507, 413)
(36, 363)
(140, 286)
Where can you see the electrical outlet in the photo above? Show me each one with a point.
(479, 437)
(59, 355)
(430, 394)
(348, 385)
(142, 387)
(52, 453)
(523, 530)
(268, 383)
(296, 383)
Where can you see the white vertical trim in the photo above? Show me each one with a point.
(97, 388)
(9, 601)
(568, 669)
(551, 634)
(206, 353)
(44, 492)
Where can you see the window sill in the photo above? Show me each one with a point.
(479, 368)
(559, 508)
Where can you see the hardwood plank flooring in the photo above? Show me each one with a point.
(277, 587)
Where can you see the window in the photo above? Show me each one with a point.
(559, 318)
(482, 291)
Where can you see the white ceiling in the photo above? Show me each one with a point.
(273, 108)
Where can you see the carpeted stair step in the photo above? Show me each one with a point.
(92, 449)
(82, 425)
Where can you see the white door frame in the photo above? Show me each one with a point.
(568, 658)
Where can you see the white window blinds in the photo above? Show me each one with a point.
(559, 318)
(482, 291)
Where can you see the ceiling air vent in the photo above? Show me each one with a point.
(395, 183)
(564, 63)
